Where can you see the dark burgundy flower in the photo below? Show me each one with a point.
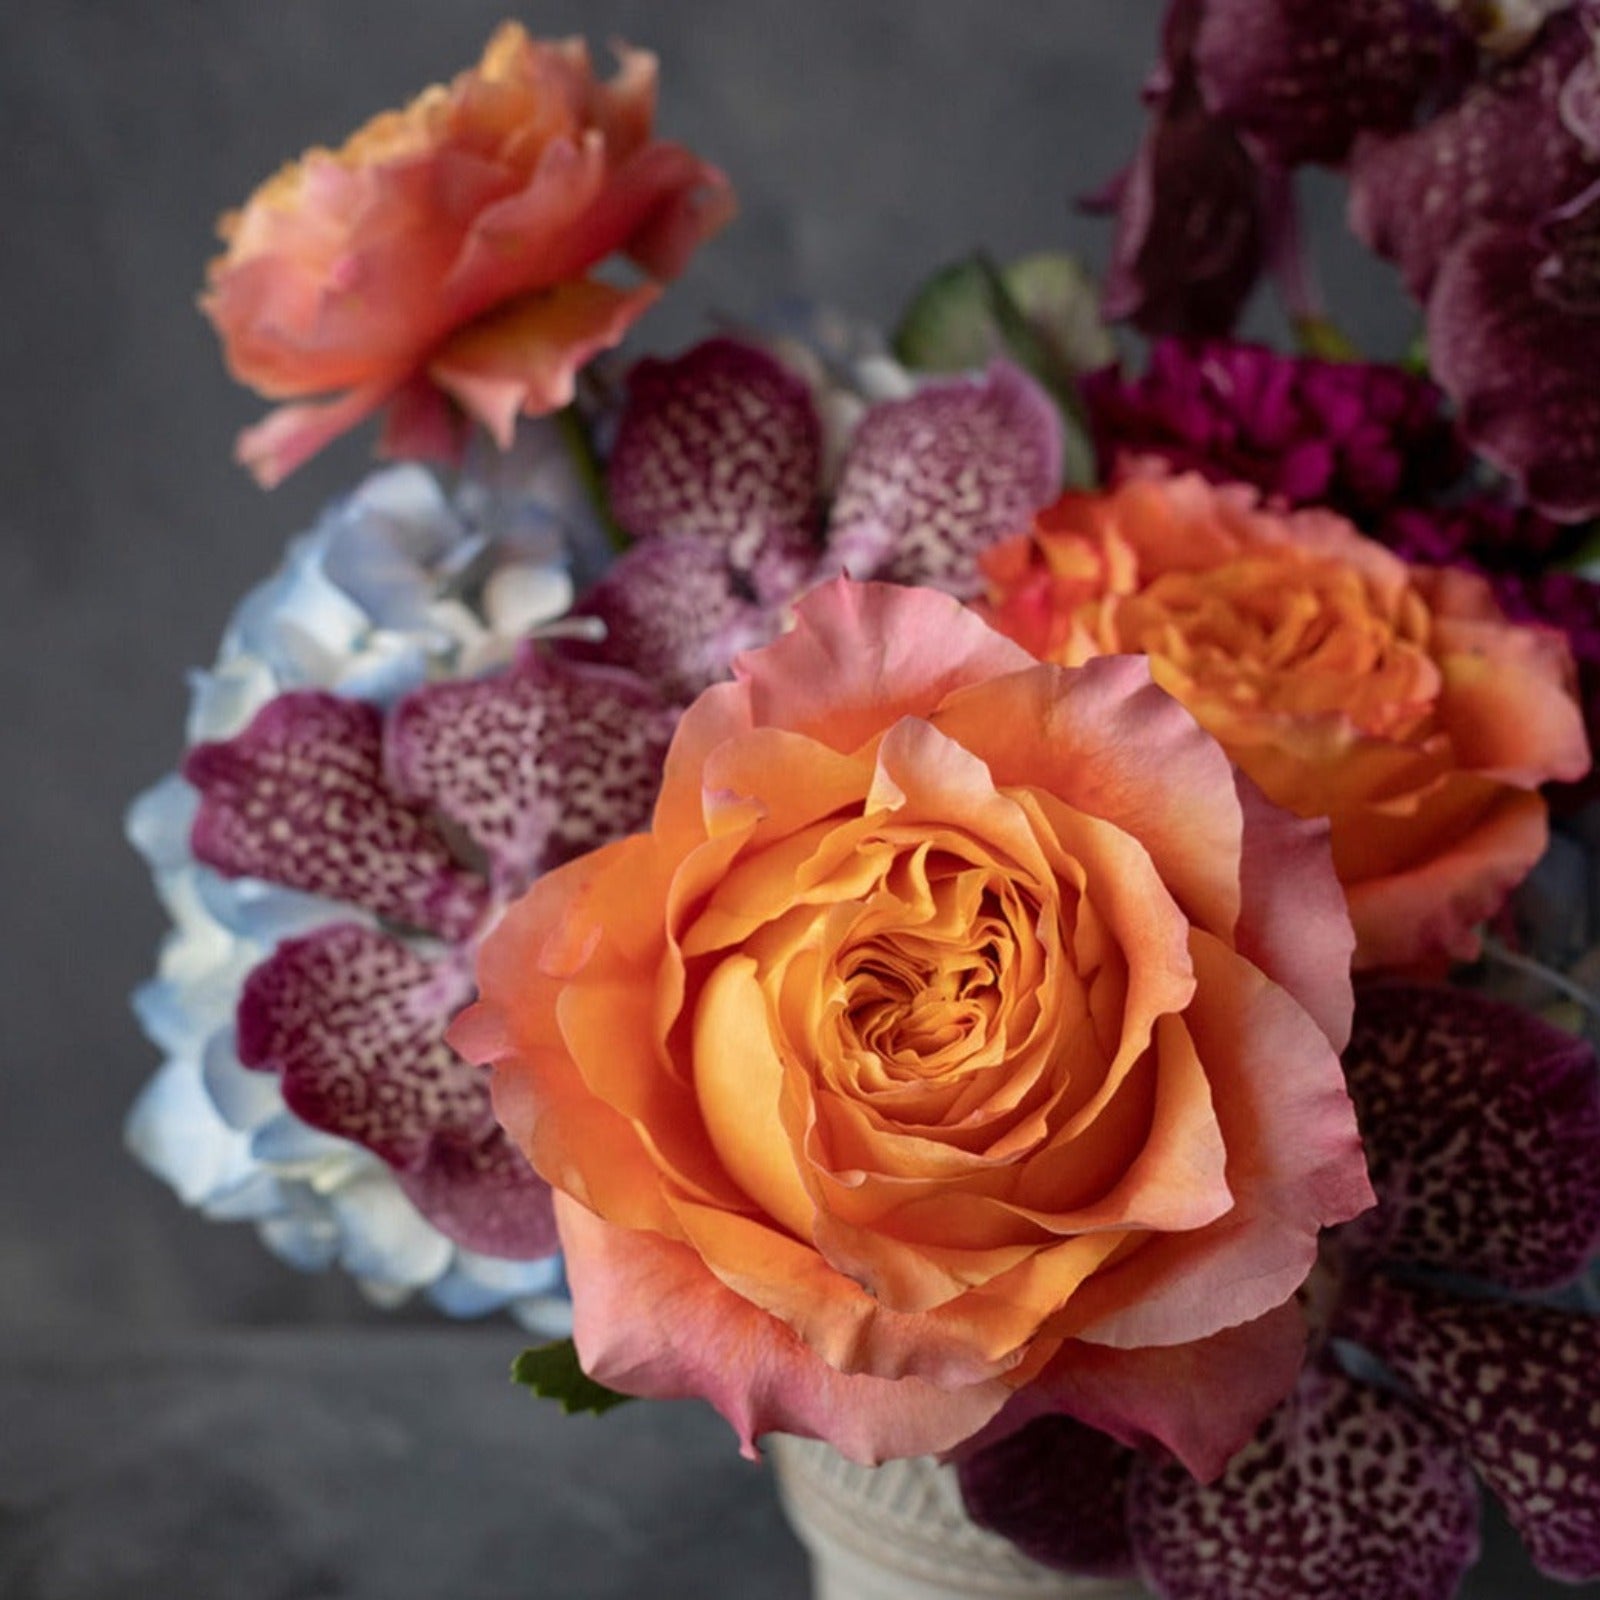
(1353, 436)
(1191, 211)
(1492, 212)
(422, 823)
(1300, 79)
(1482, 1127)
(718, 473)
(1503, 153)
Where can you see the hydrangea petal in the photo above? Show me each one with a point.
(932, 480)
(299, 799)
(1058, 1490)
(721, 444)
(537, 764)
(674, 615)
(1514, 1385)
(353, 1022)
(1507, 1110)
(1344, 1493)
(1300, 78)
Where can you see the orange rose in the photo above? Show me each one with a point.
(1396, 701)
(960, 1026)
(445, 252)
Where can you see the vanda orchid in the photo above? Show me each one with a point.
(960, 894)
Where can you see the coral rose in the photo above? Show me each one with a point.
(441, 258)
(962, 1026)
(1396, 701)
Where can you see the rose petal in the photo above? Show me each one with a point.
(523, 359)
(537, 764)
(649, 1319)
(1059, 1491)
(723, 444)
(1344, 1493)
(1309, 1173)
(1514, 1385)
(861, 656)
(932, 480)
(1202, 1401)
(1482, 1130)
(291, 435)
(299, 799)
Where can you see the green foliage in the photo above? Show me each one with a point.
(551, 1371)
(1041, 312)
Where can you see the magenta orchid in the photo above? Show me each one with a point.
(423, 823)
(1424, 1375)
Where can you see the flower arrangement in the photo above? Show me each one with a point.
(957, 896)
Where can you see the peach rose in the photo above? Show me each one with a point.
(1396, 701)
(961, 1026)
(443, 254)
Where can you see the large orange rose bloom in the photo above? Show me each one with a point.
(1396, 701)
(445, 251)
(960, 1025)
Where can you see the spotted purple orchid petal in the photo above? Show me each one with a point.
(1502, 154)
(486, 1198)
(1299, 79)
(1515, 1387)
(674, 614)
(1514, 335)
(300, 799)
(722, 444)
(537, 764)
(1481, 1125)
(1191, 236)
(353, 1022)
(1058, 1490)
(1344, 1493)
(932, 480)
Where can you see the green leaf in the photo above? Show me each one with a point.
(1322, 337)
(950, 325)
(1062, 306)
(1041, 311)
(551, 1371)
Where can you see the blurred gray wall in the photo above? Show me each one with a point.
(870, 140)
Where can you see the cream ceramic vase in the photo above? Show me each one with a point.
(899, 1532)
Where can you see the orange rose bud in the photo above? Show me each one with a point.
(960, 1028)
(440, 262)
(1398, 702)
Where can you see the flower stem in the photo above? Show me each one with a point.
(580, 447)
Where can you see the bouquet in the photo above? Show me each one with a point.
(960, 895)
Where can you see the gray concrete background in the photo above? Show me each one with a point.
(154, 1437)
